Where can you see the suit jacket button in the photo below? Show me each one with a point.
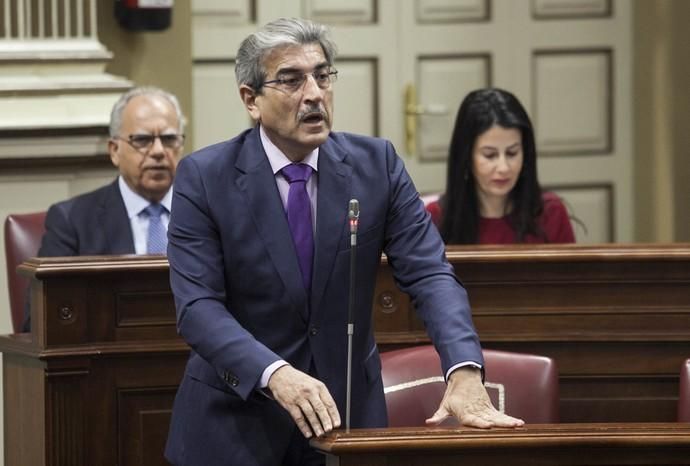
(234, 382)
(313, 331)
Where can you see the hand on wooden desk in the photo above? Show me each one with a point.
(467, 400)
(306, 399)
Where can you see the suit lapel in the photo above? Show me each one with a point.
(258, 183)
(334, 192)
(112, 216)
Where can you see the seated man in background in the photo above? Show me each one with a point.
(131, 214)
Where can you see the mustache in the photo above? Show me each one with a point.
(311, 111)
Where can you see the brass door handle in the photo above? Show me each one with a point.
(411, 119)
(412, 111)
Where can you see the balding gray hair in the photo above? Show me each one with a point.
(119, 107)
(249, 66)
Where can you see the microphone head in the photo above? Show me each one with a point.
(353, 212)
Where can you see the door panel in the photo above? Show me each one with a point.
(591, 212)
(357, 77)
(572, 111)
(215, 90)
(340, 11)
(443, 83)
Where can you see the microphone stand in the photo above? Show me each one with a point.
(353, 216)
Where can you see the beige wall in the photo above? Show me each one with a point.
(161, 59)
(662, 120)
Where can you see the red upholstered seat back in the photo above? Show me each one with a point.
(429, 198)
(23, 233)
(521, 385)
(684, 395)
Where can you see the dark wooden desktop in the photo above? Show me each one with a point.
(654, 444)
(93, 383)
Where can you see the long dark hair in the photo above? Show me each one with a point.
(479, 111)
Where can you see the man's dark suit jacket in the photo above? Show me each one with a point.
(241, 304)
(94, 223)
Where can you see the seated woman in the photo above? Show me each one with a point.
(492, 192)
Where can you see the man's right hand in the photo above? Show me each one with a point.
(306, 399)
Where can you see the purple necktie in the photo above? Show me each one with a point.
(299, 217)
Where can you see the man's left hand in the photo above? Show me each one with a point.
(467, 400)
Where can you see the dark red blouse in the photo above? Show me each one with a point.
(554, 222)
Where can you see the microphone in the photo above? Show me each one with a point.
(353, 217)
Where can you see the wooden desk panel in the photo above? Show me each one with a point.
(100, 299)
(93, 384)
(615, 318)
(95, 381)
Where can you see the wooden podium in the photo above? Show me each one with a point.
(614, 317)
(547, 444)
(93, 384)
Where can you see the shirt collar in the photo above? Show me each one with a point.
(279, 160)
(134, 203)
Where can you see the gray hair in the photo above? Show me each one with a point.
(119, 107)
(249, 66)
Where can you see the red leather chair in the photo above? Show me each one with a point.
(429, 198)
(521, 385)
(23, 233)
(684, 395)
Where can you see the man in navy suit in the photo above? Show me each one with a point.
(267, 327)
(146, 137)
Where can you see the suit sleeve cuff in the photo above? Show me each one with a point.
(463, 364)
(268, 372)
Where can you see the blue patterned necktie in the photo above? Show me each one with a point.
(299, 217)
(157, 238)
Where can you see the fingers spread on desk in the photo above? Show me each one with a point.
(306, 399)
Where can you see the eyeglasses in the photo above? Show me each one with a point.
(291, 82)
(144, 142)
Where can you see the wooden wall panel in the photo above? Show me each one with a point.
(573, 101)
(215, 92)
(356, 103)
(570, 9)
(341, 11)
(452, 11)
(591, 209)
(443, 83)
